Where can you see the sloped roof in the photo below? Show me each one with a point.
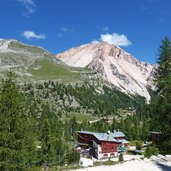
(101, 136)
(105, 137)
(118, 134)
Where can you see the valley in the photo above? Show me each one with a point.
(63, 95)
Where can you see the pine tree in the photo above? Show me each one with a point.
(67, 132)
(74, 126)
(14, 124)
(163, 71)
(163, 81)
(47, 151)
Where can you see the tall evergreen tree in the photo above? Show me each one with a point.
(14, 124)
(163, 81)
(47, 151)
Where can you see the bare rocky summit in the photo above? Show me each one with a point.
(115, 66)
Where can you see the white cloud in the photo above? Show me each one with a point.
(116, 39)
(31, 34)
(29, 5)
(94, 41)
(64, 29)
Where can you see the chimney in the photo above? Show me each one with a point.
(108, 132)
(118, 130)
(114, 131)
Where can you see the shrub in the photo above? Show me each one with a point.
(151, 150)
(121, 159)
(138, 145)
(74, 157)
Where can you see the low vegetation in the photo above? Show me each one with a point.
(46, 69)
(151, 150)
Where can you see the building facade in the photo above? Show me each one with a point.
(103, 145)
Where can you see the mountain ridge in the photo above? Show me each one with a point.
(115, 65)
(30, 62)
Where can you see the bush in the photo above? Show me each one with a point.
(121, 159)
(151, 150)
(138, 145)
(74, 157)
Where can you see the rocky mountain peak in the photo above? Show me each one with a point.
(115, 65)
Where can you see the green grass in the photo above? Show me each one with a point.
(69, 167)
(82, 70)
(108, 163)
(72, 167)
(55, 168)
(46, 69)
(81, 117)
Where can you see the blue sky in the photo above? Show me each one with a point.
(57, 25)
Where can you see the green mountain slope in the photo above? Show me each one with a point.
(33, 63)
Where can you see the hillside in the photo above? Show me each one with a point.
(83, 98)
(31, 62)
